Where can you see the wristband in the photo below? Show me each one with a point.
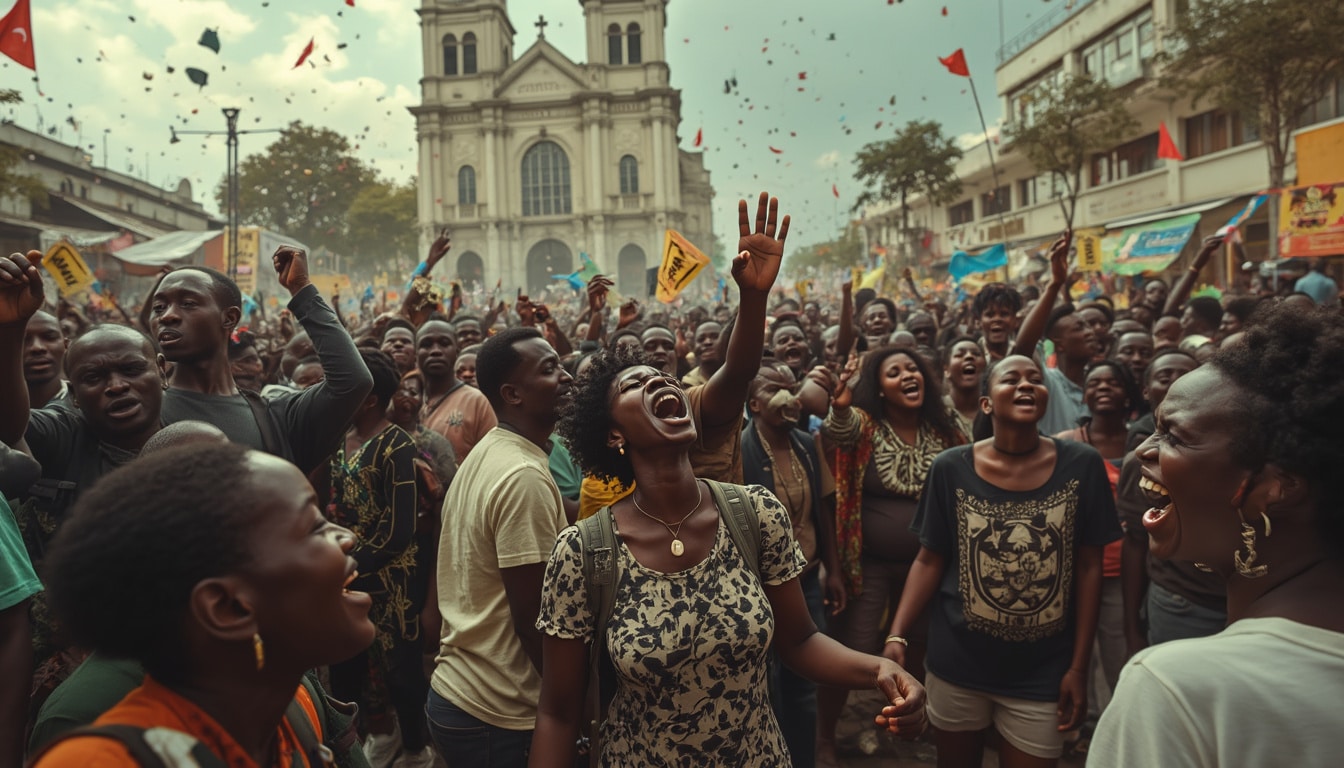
(421, 269)
(897, 639)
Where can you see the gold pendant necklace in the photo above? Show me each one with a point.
(678, 549)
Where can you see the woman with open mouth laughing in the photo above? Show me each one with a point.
(213, 567)
(885, 430)
(1011, 530)
(1242, 473)
(691, 622)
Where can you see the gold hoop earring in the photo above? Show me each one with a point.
(1246, 565)
(1267, 526)
(621, 448)
(258, 650)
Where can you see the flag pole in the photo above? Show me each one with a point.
(993, 167)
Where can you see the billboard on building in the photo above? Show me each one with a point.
(1311, 221)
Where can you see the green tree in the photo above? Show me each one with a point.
(1265, 60)
(301, 186)
(382, 223)
(13, 183)
(843, 252)
(1071, 119)
(920, 160)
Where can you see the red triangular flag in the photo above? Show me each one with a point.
(16, 35)
(1166, 147)
(956, 63)
(835, 190)
(307, 51)
(699, 137)
(350, 3)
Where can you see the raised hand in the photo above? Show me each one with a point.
(629, 312)
(440, 247)
(759, 251)
(20, 288)
(598, 288)
(291, 267)
(1059, 258)
(844, 394)
(526, 310)
(1209, 247)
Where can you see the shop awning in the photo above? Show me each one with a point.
(148, 257)
(118, 220)
(1170, 213)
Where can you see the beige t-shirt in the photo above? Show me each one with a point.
(502, 511)
(463, 417)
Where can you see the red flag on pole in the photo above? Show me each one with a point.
(956, 63)
(1166, 147)
(16, 35)
(699, 136)
(307, 51)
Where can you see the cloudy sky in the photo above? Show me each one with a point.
(815, 81)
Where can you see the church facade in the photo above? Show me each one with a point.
(535, 159)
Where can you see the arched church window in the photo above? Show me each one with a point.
(466, 185)
(629, 175)
(469, 54)
(546, 190)
(632, 45)
(449, 55)
(614, 44)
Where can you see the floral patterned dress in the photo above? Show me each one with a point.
(690, 648)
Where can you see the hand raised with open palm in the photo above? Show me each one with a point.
(759, 252)
(20, 288)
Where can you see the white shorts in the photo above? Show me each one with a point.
(1031, 726)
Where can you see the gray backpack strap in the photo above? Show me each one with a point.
(744, 525)
(598, 536)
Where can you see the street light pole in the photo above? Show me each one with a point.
(231, 183)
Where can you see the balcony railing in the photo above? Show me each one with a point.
(1039, 28)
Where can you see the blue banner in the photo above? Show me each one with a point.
(964, 264)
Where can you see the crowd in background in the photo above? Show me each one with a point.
(672, 534)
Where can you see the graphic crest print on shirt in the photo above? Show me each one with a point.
(1016, 563)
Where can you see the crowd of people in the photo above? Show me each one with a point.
(442, 532)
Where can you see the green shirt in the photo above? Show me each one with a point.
(18, 582)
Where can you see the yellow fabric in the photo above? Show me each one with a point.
(595, 494)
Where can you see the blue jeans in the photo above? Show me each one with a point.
(462, 740)
(1172, 617)
(793, 697)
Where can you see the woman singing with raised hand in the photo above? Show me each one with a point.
(691, 621)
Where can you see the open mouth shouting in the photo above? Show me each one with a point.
(669, 404)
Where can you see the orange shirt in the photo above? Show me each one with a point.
(153, 705)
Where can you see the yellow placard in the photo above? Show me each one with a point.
(249, 258)
(67, 267)
(801, 288)
(874, 279)
(1089, 251)
(681, 263)
(331, 285)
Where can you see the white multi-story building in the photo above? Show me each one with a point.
(1124, 188)
(532, 160)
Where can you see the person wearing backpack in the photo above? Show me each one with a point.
(681, 585)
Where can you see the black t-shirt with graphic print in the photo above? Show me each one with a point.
(1002, 620)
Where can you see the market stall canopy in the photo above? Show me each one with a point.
(151, 256)
(1147, 218)
(119, 221)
